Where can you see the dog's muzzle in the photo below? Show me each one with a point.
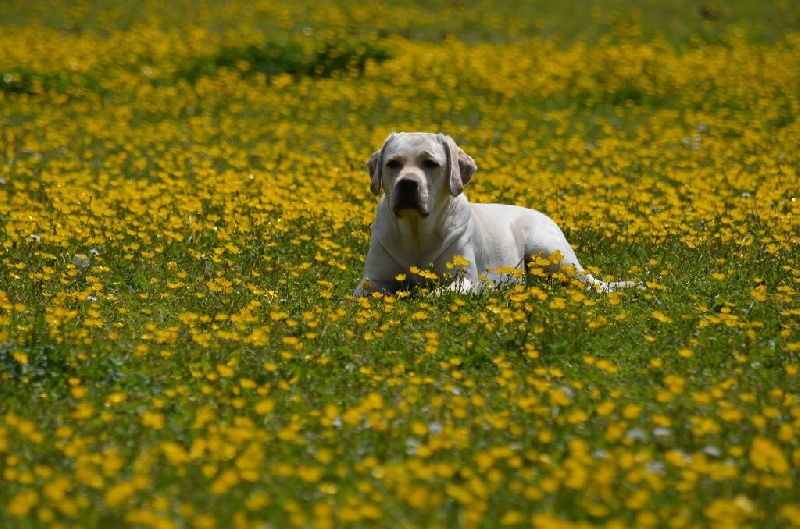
(407, 195)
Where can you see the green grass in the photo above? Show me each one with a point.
(184, 214)
(289, 58)
(681, 22)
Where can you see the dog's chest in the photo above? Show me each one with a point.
(427, 249)
(417, 249)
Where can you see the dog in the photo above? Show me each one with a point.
(425, 225)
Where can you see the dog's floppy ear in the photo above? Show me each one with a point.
(375, 166)
(461, 165)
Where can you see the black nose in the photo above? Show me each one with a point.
(407, 186)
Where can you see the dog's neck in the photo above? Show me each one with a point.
(426, 238)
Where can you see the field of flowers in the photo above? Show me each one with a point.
(184, 213)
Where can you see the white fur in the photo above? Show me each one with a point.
(425, 221)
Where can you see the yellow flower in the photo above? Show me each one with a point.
(116, 398)
(631, 411)
(660, 316)
(605, 409)
(265, 406)
(759, 293)
(767, 456)
(224, 371)
(427, 274)
(458, 261)
(558, 303)
(23, 502)
(118, 493)
(21, 357)
(153, 420)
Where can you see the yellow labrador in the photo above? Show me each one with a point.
(425, 221)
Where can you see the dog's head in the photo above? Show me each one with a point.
(417, 169)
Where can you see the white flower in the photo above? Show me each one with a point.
(636, 434)
(662, 432)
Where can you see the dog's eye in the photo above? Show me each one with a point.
(394, 165)
(430, 164)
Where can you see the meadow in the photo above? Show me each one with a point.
(185, 211)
